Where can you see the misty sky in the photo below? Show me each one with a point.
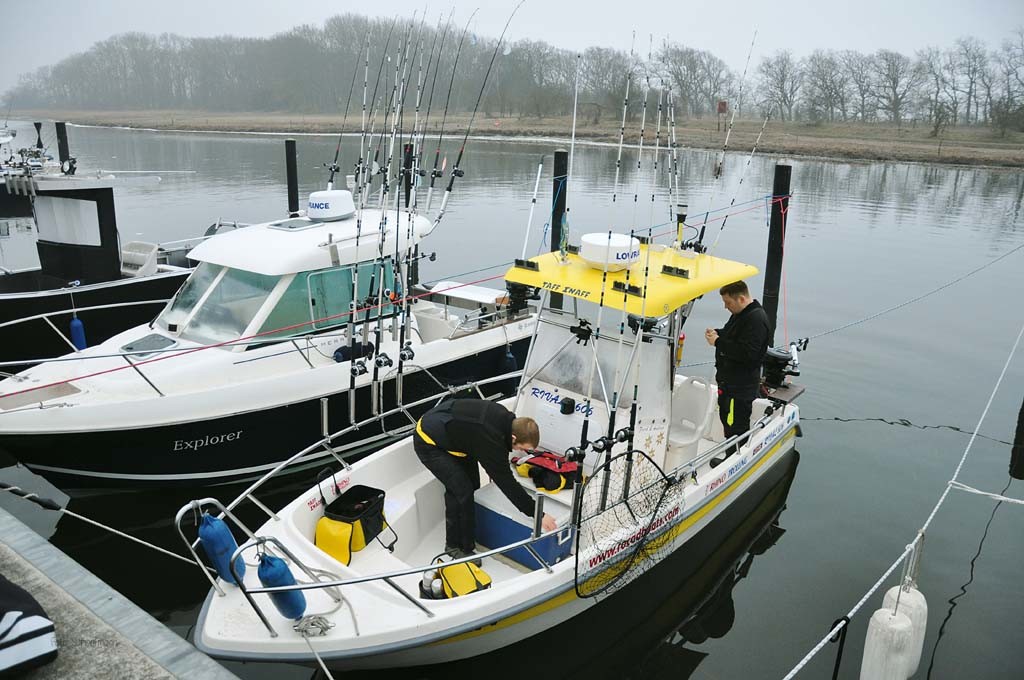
(45, 31)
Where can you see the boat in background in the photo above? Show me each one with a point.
(86, 277)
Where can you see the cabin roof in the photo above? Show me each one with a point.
(272, 250)
(666, 290)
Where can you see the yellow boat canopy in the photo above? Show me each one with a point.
(674, 279)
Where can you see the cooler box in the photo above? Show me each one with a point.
(499, 523)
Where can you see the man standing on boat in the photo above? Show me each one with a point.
(740, 347)
(452, 439)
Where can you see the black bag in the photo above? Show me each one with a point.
(351, 520)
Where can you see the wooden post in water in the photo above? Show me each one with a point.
(293, 177)
(559, 188)
(62, 142)
(776, 241)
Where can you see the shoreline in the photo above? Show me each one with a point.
(973, 146)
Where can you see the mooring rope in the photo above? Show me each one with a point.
(953, 483)
(993, 496)
(49, 504)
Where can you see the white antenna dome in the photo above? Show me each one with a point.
(616, 251)
(328, 206)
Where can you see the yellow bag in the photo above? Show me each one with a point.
(463, 579)
(350, 521)
(336, 539)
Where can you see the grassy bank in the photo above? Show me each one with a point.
(876, 141)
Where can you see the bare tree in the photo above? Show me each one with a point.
(896, 77)
(973, 60)
(858, 70)
(683, 66)
(781, 79)
(826, 85)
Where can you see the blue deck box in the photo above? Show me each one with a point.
(499, 523)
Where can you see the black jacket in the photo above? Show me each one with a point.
(741, 347)
(482, 430)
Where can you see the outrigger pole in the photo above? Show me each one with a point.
(456, 170)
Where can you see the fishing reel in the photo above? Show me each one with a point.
(406, 353)
(602, 444)
(458, 172)
(624, 434)
(359, 368)
(383, 361)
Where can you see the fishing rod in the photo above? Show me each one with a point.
(563, 244)
(383, 360)
(743, 176)
(657, 148)
(337, 150)
(602, 445)
(456, 169)
(358, 367)
(405, 352)
(434, 173)
(418, 160)
(717, 172)
(641, 326)
(368, 143)
(673, 179)
(622, 130)
(533, 205)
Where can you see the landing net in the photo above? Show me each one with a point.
(628, 510)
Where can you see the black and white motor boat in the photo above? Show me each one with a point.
(257, 348)
(67, 278)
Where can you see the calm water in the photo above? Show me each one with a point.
(888, 410)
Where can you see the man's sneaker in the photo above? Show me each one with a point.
(459, 553)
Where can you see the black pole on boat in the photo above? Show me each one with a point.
(559, 190)
(291, 169)
(776, 241)
(62, 142)
(407, 173)
(39, 135)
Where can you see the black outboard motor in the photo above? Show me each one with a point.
(778, 363)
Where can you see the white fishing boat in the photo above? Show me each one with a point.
(601, 382)
(263, 346)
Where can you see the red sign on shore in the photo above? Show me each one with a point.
(723, 106)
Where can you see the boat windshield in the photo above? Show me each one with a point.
(216, 304)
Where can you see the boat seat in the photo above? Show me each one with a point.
(693, 414)
(138, 258)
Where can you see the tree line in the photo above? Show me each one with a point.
(310, 69)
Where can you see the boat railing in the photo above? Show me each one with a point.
(45, 316)
(536, 534)
(325, 441)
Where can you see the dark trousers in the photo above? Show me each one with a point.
(461, 477)
(735, 404)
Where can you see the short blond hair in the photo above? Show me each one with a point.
(526, 431)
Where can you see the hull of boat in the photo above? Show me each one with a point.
(241, 445)
(36, 340)
(693, 537)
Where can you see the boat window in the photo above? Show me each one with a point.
(291, 310)
(176, 314)
(230, 307)
(331, 291)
